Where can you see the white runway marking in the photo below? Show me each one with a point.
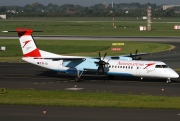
(74, 89)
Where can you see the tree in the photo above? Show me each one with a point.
(169, 13)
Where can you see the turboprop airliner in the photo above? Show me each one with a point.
(78, 65)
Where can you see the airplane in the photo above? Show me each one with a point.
(112, 66)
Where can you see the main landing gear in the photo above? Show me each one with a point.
(168, 80)
(79, 74)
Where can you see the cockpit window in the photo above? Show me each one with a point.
(158, 66)
(162, 66)
(165, 66)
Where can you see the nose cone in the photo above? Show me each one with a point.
(170, 73)
(174, 74)
(177, 75)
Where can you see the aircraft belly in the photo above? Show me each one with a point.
(119, 73)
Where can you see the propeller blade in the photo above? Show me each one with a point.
(104, 55)
(98, 70)
(103, 70)
(107, 63)
(136, 51)
(136, 54)
(131, 56)
(99, 56)
(134, 57)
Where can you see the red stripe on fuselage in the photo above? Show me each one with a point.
(34, 53)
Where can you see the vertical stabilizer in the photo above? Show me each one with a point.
(27, 42)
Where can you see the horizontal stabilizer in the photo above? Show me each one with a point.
(22, 30)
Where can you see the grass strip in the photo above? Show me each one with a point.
(124, 27)
(87, 99)
(80, 48)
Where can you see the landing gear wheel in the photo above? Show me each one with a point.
(77, 79)
(168, 80)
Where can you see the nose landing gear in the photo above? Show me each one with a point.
(168, 80)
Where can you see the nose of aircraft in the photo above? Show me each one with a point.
(174, 74)
(170, 73)
(177, 75)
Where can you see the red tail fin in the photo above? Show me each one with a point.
(28, 45)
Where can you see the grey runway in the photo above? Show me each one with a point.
(108, 38)
(49, 113)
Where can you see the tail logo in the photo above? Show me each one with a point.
(26, 42)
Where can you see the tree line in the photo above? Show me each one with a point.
(97, 10)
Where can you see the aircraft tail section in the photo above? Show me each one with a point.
(28, 45)
(27, 42)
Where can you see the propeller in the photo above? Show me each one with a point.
(101, 63)
(135, 55)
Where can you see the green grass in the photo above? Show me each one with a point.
(80, 48)
(97, 26)
(87, 99)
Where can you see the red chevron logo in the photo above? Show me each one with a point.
(150, 64)
(26, 42)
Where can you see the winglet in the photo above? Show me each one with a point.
(5, 31)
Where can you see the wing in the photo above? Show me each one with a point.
(132, 55)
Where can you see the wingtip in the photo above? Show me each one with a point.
(4, 31)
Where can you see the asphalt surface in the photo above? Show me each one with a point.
(108, 38)
(23, 75)
(46, 113)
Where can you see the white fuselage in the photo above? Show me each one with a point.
(115, 67)
(141, 69)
